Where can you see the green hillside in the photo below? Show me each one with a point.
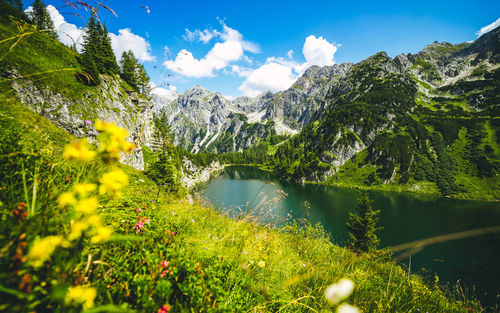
(70, 243)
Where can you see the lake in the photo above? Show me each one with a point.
(405, 217)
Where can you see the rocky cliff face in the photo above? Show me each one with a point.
(110, 102)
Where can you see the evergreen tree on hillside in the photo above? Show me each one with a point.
(12, 7)
(89, 52)
(105, 57)
(97, 46)
(91, 73)
(165, 169)
(362, 226)
(40, 17)
(133, 72)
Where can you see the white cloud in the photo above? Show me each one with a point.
(70, 34)
(271, 76)
(126, 40)
(488, 28)
(67, 33)
(170, 93)
(231, 49)
(205, 36)
(278, 73)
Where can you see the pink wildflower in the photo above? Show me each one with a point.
(139, 225)
(139, 210)
(164, 309)
(164, 263)
(163, 274)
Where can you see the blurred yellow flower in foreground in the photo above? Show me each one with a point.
(112, 183)
(79, 151)
(84, 188)
(103, 234)
(66, 198)
(87, 206)
(261, 264)
(42, 249)
(112, 141)
(82, 295)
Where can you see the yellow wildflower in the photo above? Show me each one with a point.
(84, 188)
(82, 295)
(128, 146)
(66, 198)
(103, 234)
(87, 206)
(112, 183)
(94, 220)
(261, 264)
(42, 249)
(78, 150)
(77, 228)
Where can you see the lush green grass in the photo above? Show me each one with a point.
(212, 258)
(40, 58)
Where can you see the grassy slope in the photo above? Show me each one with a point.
(210, 255)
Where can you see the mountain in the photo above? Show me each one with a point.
(416, 121)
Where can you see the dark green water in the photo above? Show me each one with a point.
(405, 217)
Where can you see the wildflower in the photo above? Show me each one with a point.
(163, 274)
(139, 210)
(164, 263)
(66, 198)
(103, 234)
(113, 140)
(87, 206)
(84, 189)
(88, 122)
(139, 225)
(339, 291)
(261, 264)
(42, 249)
(164, 309)
(82, 295)
(77, 228)
(112, 183)
(79, 151)
(346, 308)
(192, 221)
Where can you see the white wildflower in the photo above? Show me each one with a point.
(346, 308)
(339, 291)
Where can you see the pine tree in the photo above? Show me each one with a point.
(97, 46)
(134, 73)
(40, 17)
(362, 226)
(91, 73)
(12, 7)
(143, 80)
(128, 65)
(105, 57)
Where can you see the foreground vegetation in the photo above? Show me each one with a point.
(183, 255)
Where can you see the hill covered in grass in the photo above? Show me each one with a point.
(184, 255)
(82, 233)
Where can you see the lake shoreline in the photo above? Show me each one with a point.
(374, 188)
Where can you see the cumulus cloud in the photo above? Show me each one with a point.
(488, 28)
(67, 33)
(170, 93)
(280, 73)
(202, 35)
(70, 34)
(231, 49)
(271, 76)
(126, 40)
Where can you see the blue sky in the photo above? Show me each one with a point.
(244, 47)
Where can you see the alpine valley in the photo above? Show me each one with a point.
(426, 122)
